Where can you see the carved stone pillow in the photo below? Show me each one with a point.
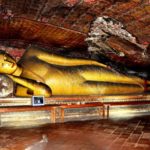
(6, 86)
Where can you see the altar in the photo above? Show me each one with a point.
(66, 108)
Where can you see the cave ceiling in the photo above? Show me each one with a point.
(67, 23)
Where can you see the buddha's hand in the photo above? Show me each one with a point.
(27, 87)
(7, 63)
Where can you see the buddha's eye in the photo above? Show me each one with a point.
(5, 65)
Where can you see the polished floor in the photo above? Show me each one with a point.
(127, 134)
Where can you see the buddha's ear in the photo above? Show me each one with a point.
(2, 57)
(5, 57)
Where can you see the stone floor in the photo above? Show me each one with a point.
(129, 134)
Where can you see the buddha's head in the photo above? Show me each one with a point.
(7, 63)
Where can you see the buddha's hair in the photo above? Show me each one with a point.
(2, 52)
(5, 53)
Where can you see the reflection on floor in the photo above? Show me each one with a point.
(129, 134)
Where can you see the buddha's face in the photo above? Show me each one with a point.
(7, 64)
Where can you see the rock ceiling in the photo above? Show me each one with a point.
(66, 23)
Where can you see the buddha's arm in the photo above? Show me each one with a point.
(63, 61)
(60, 60)
(31, 87)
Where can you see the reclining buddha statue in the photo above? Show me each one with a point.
(41, 73)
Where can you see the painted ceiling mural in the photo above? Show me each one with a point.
(56, 47)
